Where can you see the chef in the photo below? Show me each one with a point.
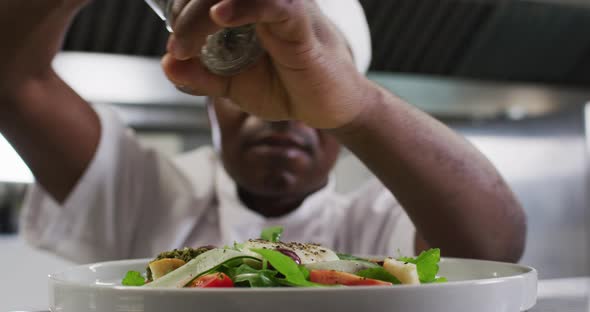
(278, 127)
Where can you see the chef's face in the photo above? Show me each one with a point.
(273, 159)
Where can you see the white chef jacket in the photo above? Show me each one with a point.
(132, 202)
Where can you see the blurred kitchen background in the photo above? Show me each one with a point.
(513, 76)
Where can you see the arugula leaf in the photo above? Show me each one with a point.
(133, 278)
(350, 257)
(272, 234)
(294, 276)
(378, 274)
(234, 262)
(426, 264)
(245, 275)
(258, 279)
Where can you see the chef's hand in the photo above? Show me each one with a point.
(308, 73)
(31, 32)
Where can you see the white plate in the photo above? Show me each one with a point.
(481, 286)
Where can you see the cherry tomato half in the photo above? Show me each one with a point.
(211, 281)
(329, 277)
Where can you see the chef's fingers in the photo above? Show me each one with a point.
(287, 19)
(191, 24)
(192, 77)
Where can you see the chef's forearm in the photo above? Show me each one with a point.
(453, 194)
(53, 129)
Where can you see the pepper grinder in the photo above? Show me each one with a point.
(226, 52)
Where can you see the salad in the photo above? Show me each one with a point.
(269, 262)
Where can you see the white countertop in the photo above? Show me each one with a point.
(24, 282)
(563, 295)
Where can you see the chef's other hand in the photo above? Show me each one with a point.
(31, 32)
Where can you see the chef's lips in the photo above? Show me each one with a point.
(226, 52)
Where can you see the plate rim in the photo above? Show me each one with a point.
(528, 272)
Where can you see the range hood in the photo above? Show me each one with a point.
(546, 41)
(146, 99)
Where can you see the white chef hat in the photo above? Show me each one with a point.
(349, 17)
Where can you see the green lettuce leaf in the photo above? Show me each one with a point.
(378, 274)
(272, 234)
(133, 278)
